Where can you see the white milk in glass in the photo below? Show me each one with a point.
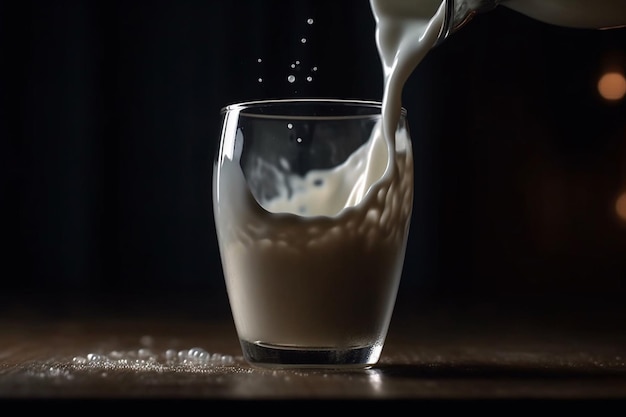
(318, 265)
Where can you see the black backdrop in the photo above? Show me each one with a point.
(109, 116)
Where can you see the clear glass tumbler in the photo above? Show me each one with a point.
(312, 208)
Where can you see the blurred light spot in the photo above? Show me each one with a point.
(620, 206)
(612, 86)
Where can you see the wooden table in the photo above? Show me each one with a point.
(437, 352)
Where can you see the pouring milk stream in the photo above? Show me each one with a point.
(407, 29)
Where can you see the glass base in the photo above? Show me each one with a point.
(275, 356)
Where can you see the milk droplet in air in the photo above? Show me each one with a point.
(309, 21)
(259, 79)
(291, 78)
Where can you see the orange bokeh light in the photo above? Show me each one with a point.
(620, 206)
(612, 86)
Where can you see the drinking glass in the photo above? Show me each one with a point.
(312, 207)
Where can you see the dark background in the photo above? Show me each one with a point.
(109, 120)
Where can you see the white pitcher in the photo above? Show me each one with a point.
(589, 14)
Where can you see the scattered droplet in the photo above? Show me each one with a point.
(259, 60)
(79, 360)
(170, 354)
(299, 140)
(303, 40)
(116, 354)
(94, 357)
(309, 78)
(284, 164)
(291, 78)
(260, 80)
(289, 125)
(144, 353)
(146, 340)
(309, 21)
(145, 359)
(314, 69)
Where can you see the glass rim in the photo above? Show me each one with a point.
(253, 108)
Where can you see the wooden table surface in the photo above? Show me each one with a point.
(435, 353)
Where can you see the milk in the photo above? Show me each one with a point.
(318, 265)
(406, 30)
